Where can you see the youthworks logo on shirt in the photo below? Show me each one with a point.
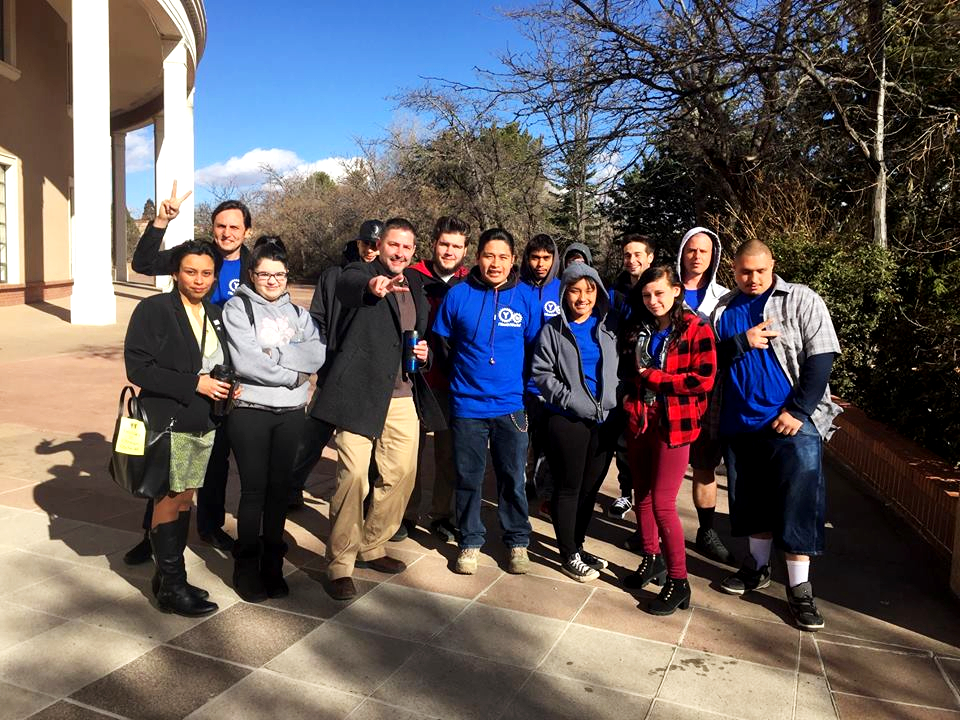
(551, 309)
(508, 318)
(234, 284)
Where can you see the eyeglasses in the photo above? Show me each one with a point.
(266, 277)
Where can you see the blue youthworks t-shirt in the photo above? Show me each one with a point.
(227, 282)
(487, 331)
(694, 298)
(656, 345)
(756, 387)
(545, 303)
(586, 337)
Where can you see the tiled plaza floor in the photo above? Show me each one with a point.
(80, 638)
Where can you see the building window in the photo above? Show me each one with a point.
(8, 40)
(3, 223)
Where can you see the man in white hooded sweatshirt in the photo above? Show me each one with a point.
(697, 261)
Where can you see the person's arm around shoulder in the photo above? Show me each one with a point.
(251, 360)
(703, 361)
(145, 337)
(307, 354)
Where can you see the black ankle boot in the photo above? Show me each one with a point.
(246, 572)
(652, 569)
(173, 594)
(183, 529)
(675, 594)
(271, 569)
(139, 553)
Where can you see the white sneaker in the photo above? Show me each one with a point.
(467, 561)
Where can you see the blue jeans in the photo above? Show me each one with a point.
(775, 484)
(508, 448)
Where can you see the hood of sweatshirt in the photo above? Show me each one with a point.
(577, 247)
(715, 260)
(526, 276)
(576, 272)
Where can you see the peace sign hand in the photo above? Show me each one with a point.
(170, 208)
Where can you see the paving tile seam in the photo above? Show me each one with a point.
(671, 661)
(826, 678)
(918, 652)
(94, 708)
(948, 680)
(77, 564)
(897, 702)
(391, 705)
(709, 713)
(903, 649)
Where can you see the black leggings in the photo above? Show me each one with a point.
(264, 445)
(579, 453)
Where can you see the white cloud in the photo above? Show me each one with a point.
(248, 169)
(139, 145)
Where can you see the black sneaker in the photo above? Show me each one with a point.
(619, 507)
(444, 529)
(403, 532)
(747, 578)
(140, 553)
(218, 539)
(597, 563)
(711, 546)
(580, 571)
(804, 609)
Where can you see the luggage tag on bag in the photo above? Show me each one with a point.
(132, 437)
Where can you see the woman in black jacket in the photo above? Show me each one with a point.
(173, 341)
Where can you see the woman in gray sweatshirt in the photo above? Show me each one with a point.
(275, 347)
(575, 366)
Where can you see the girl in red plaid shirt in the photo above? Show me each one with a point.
(673, 353)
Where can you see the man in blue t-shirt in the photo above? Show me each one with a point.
(484, 325)
(230, 226)
(697, 261)
(776, 348)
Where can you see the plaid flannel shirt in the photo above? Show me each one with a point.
(682, 386)
(803, 321)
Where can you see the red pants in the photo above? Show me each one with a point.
(657, 475)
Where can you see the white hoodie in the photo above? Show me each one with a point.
(714, 291)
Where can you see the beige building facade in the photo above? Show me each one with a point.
(75, 77)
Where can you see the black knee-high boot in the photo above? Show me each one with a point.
(174, 595)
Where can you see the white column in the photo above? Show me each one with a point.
(172, 157)
(188, 209)
(93, 302)
(120, 204)
(161, 281)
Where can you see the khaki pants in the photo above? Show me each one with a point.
(396, 453)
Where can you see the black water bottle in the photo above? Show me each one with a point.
(224, 373)
(410, 362)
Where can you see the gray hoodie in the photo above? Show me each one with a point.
(714, 291)
(276, 355)
(556, 366)
(579, 248)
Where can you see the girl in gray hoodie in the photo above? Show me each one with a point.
(275, 347)
(575, 368)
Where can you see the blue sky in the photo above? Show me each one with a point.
(299, 81)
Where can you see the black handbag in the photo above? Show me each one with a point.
(140, 456)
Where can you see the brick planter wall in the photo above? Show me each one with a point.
(920, 485)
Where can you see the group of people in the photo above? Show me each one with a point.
(666, 369)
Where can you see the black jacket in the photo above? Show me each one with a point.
(149, 259)
(325, 308)
(359, 384)
(162, 357)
